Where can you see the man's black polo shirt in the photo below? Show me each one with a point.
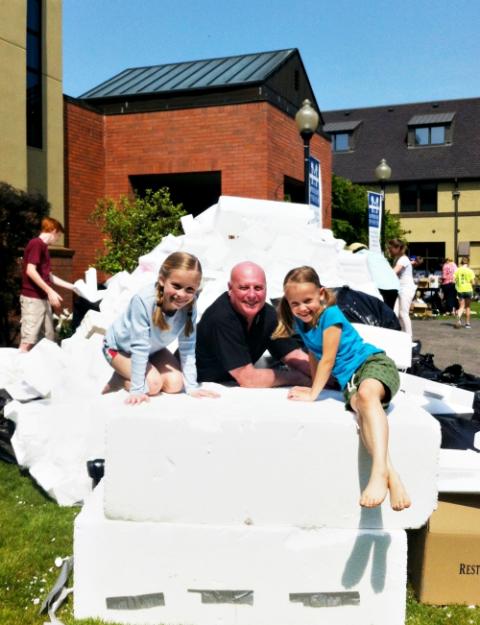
(224, 343)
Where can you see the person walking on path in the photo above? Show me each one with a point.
(464, 278)
(448, 286)
(402, 266)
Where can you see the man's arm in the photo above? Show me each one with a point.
(298, 359)
(53, 297)
(250, 377)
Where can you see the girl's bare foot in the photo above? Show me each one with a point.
(375, 491)
(399, 499)
(115, 383)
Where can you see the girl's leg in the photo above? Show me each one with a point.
(399, 499)
(461, 307)
(467, 310)
(163, 373)
(374, 430)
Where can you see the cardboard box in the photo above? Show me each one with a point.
(444, 556)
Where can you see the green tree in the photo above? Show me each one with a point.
(20, 217)
(134, 227)
(350, 213)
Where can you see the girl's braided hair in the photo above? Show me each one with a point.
(177, 260)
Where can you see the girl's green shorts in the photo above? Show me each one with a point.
(379, 367)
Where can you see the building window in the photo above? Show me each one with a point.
(430, 135)
(340, 141)
(34, 74)
(430, 129)
(418, 197)
(344, 134)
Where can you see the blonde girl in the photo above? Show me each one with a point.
(368, 377)
(136, 344)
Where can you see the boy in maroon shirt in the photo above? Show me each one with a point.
(37, 296)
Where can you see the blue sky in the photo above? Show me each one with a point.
(363, 53)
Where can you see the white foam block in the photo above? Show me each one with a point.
(254, 456)
(154, 573)
(435, 397)
(397, 345)
(459, 471)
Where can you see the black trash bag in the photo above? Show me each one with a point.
(359, 307)
(456, 376)
(424, 367)
(7, 428)
(476, 406)
(435, 303)
(458, 433)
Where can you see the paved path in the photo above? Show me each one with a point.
(448, 344)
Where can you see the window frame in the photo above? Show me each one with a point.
(418, 187)
(343, 133)
(412, 135)
(33, 86)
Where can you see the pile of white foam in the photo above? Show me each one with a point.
(56, 436)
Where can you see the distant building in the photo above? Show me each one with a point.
(207, 128)
(433, 149)
(31, 105)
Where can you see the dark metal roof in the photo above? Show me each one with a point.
(211, 73)
(436, 118)
(384, 134)
(341, 126)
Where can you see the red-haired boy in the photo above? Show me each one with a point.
(37, 296)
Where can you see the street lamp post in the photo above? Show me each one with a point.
(307, 122)
(383, 171)
(455, 196)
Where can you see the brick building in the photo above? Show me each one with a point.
(205, 128)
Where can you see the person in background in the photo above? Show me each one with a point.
(37, 295)
(448, 286)
(368, 377)
(403, 268)
(383, 276)
(235, 330)
(464, 280)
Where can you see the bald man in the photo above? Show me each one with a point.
(235, 331)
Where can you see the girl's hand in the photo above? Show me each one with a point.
(203, 392)
(137, 398)
(301, 393)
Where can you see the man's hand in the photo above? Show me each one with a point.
(301, 393)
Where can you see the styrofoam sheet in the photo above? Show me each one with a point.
(279, 576)
(396, 344)
(253, 456)
(435, 397)
(459, 471)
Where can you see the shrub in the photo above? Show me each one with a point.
(134, 227)
(20, 217)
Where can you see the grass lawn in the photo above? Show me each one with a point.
(34, 531)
